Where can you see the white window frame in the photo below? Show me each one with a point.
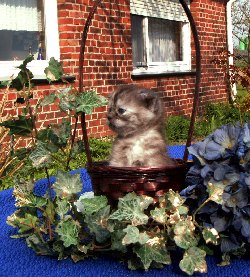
(160, 67)
(8, 68)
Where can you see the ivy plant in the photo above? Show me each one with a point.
(67, 225)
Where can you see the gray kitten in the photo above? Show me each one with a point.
(136, 115)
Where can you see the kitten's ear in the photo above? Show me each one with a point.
(151, 99)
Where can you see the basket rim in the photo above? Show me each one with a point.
(103, 165)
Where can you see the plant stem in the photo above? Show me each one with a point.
(200, 207)
(72, 143)
(49, 183)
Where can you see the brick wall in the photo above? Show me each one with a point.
(108, 58)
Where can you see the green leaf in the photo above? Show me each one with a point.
(67, 99)
(36, 201)
(67, 184)
(116, 241)
(24, 75)
(59, 134)
(88, 100)
(133, 236)
(184, 234)
(149, 253)
(93, 205)
(159, 215)
(47, 100)
(27, 60)
(26, 223)
(131, 208)
(40, 156)
(98, 224)
(173, 200)
(21, 127)
(60, 250)
(62, 207)
(54, 71)
(194, 260)
(39, 246)
(68, 232)
(211, 235)
(215, 192)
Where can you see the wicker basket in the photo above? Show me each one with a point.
(115, 182)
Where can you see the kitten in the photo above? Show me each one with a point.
(136, 115)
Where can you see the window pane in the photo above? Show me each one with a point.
(138, 41)
(164, 40)
(21, 29)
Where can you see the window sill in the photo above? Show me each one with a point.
(142, 75)
(40, 81)
(68, 78)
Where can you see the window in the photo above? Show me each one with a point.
(27, 27)
(160, 37)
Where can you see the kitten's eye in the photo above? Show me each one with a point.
(121, 111)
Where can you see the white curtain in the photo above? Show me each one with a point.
(20, 15)
(163, 40)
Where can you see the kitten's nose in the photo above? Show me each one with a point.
(109, 117)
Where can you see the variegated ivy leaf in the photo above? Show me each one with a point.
(173, 200)
(39, 246)
(130, 209)
(146, 201)
(22, 189)
(183, 210)
(59, 134)
(133, 235)
(211, 235)
(67, 99)
(54, 71)
(184, 234)
(98, 224)
(149, 253)
(194, 260)
(88, 100)
(47, 100)
(159, 215)
(93, 204)
(116, 240)
(40, 156)
(36, 201)
(62, 207)
(68, 231)
(215, 193)
(26, 223)
(67, 184)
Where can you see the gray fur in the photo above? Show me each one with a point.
(136, 115)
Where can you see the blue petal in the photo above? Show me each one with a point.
(221, 136)
(246, 135)
(213, 151)
(206, 170)
(197, 150)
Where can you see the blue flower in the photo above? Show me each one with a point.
(246, 135)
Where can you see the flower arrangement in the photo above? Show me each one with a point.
(219, 185)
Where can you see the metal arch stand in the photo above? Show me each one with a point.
(197, 83)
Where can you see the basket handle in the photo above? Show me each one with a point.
(80, 90)
(197, 76)
(197, 83)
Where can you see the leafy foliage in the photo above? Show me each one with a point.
(132, 228)
(54, 146)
